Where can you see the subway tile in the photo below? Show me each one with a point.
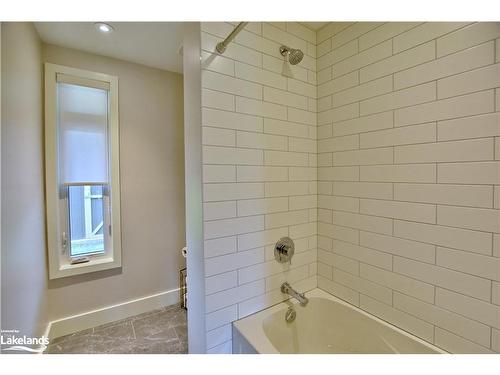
(325, 270)
(352, 32)
(496, 197)
(376, 190)
(483, 219)
(218, 137)
(424, 33)
(217, 99)
(303, 117)
(339, 233)
(238, 52)
(334, 115)
(261, 238)
(470, 307)
(446, 66)
(495, 293)
(497, 49)
(338, 173)
(363, 286)
(219, 210)
(331, 29)
(495, 340)
(338, 203)
(364, 124)
(469, 127)
(221, 317)
(280, 189)
(400, 283)
(363, 157)
(231, 296)
(474, 264)
(332, 86)
(231, 85)
(303, 201)
(363, 222)
(451, 151)
(474, 80)
(260, 108)
(301, 31)
(246, 173)
(230, 155)
(338, 261)
(460, 282)
(323, 47)
(467, 37)
(425, 173)
(280, 36)
(216, 63)
(347, 294)
(467, 328)
(231, 262)
(398, 99)
(219, 173)
(285, 128)
(231, 120)
(461, 106)
(218, 336)
(368, 56)
(384, 32)
(462, 239)
(349, 142)
(293, 276)
(363, 91)
(496, 245)
(362, 254)
(302, 145)
(281, 219)
(250, 207)
(220, 282)
(405, 321)
(229, 191)
(423, 213)
(303, 230)
(284, 158)
(284, 98)
(487, 173)
(275, 64)
(339, 54)
(397, 246)
(398, 62)
(261, 141)
(459, 195)
(302, 88)
(229, 227)
(457, 344)
(302, 173)
(220, 246)
(258, 75)
(325, 160)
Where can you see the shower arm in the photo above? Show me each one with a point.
(221, 46)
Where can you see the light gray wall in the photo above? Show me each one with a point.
(152, 187)
(24, 275)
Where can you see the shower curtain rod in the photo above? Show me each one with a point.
(221, 46)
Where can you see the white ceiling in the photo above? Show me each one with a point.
(154, 44)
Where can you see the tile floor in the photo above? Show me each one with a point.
(162, 331)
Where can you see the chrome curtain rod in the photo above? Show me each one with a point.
(221, 46)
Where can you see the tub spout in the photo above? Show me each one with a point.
(301, 297)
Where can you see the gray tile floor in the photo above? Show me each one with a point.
(162, 331)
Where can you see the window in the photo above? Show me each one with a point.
(82, 171)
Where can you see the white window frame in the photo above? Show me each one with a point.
(59, 259)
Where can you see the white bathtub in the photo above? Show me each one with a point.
(326, 325)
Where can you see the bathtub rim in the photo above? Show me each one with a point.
(258, 340)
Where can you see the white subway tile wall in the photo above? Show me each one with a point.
(259, 170)
(408, 176)
(380, 158)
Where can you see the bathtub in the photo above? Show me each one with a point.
(326, 325)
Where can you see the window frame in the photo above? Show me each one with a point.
(56, 199)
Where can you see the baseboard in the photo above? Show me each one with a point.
(89, 319)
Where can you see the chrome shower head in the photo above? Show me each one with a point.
(295, 56)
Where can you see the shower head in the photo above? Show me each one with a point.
(295, 56)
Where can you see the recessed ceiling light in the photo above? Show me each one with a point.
(103, 27)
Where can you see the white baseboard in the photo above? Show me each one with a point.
(94, 318)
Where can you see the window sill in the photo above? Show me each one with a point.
(94, 265)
